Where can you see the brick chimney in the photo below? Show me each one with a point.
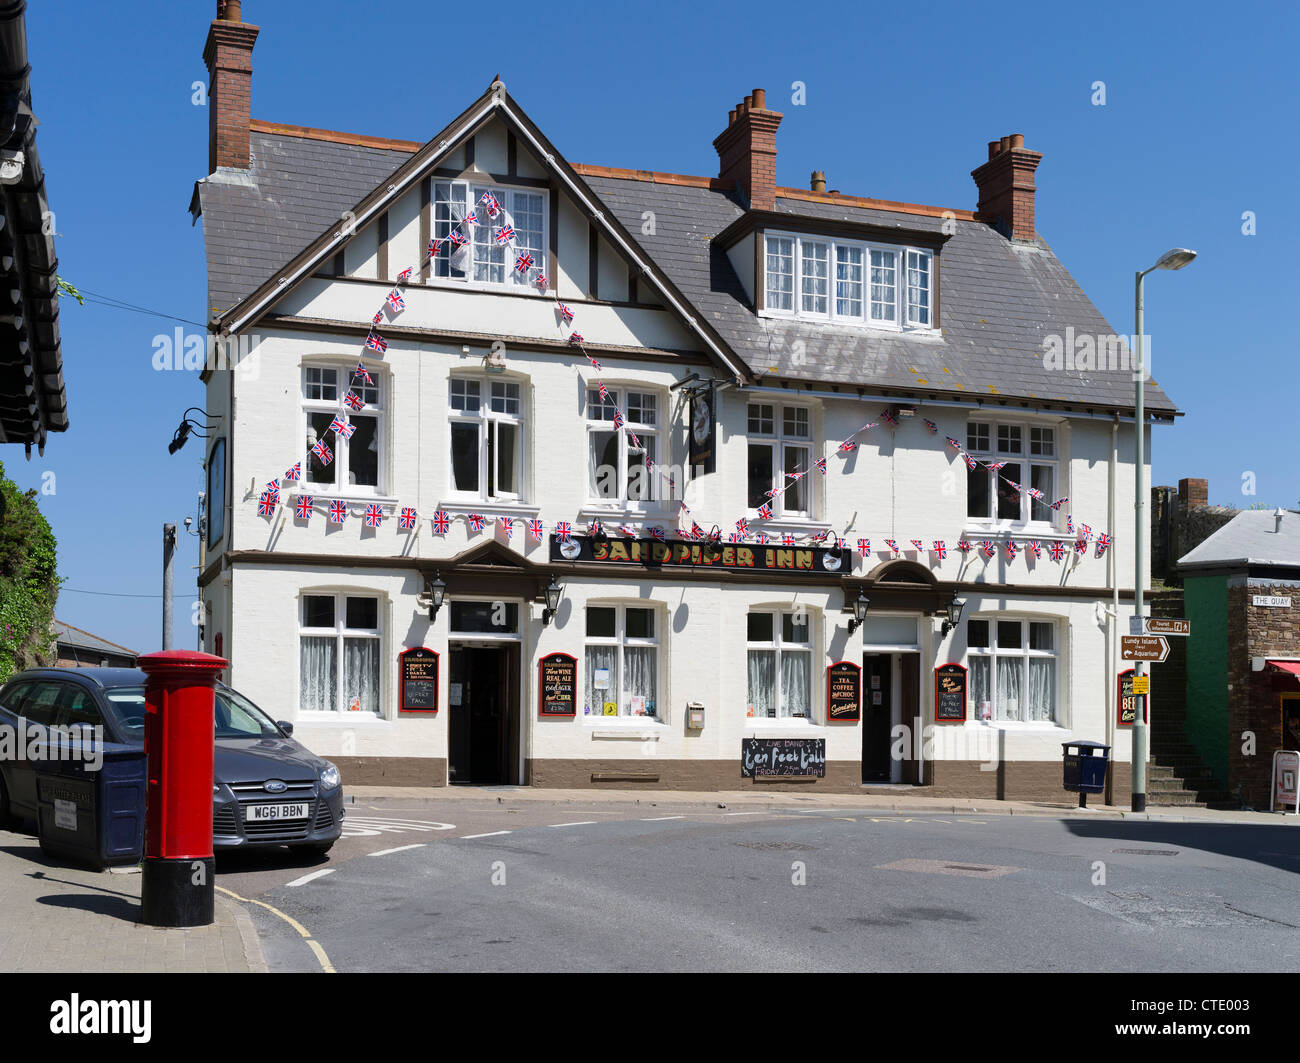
(1194, 493)
(747, 150)
(1006, 187)
(229, 58)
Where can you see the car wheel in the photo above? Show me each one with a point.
(314, 849)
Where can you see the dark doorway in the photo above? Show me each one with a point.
(877, 710)
(484, 707)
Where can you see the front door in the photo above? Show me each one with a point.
(484, 738)
(877, 714)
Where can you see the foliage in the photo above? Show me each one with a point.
(29, 584)
(65, 287)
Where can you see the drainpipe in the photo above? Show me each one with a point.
(1112, 670)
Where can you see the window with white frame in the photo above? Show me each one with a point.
(358, 460)
(1013, 667)
(486, 261)
(780, 656)
(622, 659)
(617, 464)
(780, 442)
(848, 281)
(487, 419)
(1027, 456)
(338, 653)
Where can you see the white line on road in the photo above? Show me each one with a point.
(579, 823)
(399, 849)
(745, 813)
(314, 875)
(489, 834)
(660, 819)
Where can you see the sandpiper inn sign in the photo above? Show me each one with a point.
(800, 560)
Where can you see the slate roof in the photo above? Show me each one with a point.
(998, 301)
(1249, 539)
(67, 635)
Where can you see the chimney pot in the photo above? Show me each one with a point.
(1017, 140)
(1006, 187)
(731, 117)
(229, 11)
(994, 148)
(747, 150)
(818, 181)
(760, 99)
(228, 55)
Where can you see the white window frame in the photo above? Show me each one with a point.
(907, 314)
(339, 632)
(778, 645)
(1025, 654)
(343, 383)
(621, 640)
(779, 440)
(618, 392)
(1034, 513)
(487, 420)
(505, 194)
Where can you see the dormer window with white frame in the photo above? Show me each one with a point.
(848, 282)
(489, 263)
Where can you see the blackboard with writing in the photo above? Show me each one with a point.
(1128, 703)
(950, 694)
(782, 756)
(418, 669)
(557, 685)
(843, 692)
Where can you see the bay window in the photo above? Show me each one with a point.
(617, 466)
(780, 654)
(780, 442)
(622, 661)
(338, 653)
(358, 460)
(1028, 457)
(1013, 669)
(487, 422)
(486, 261)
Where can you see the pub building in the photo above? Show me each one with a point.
(917, 613)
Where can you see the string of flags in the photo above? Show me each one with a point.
(373, 515)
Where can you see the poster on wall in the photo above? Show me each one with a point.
(783, 756)
(843, 692)
(950, 694)
(418, 672)
(557, 684)
(1128, 704)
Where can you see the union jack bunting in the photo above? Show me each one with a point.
(888, 417)
(963, 544)
(953, 443)
(441, 522)
(988, 548)
(1012, 549)
(864, 547)
(696, 531)
(406, 519)
(635, 440)
(565, 313)
(541, 281)
(604, 392)
(618, 418)
(848, 445)
(1034, 492)
(273, 487)
(353, 401)
(762, 538)
(266, 504)
(940, 550)
(434, 247)
(1035, 548)
(379, 316)
(892, 544)
(395, 300)
(742, 527)
(733, 537)
(506, 524)
(795, 475)
(535, 530)
(934, 428)
(374, 515)
(787, 540)
(470, 219)
(294, 473)
(994, 466)
(490, 204)
(362, 372)
(523, 262)
(336, 424)
(917, 544)
(627, 533)
(323, 453)
(338, 512)
(764, 512)
(577, 337)
(563, 530)
(476, 521)
(593, 361)
(1081, 546)
(376, 342)
(505, 234)
(656, 532)
(971, 463)
(774, 492)
(404, 276)
(821, 466)
(345, 430)
(1085, 532)
(1103, 541)
(1069, 523)
(1056, 548)
(303, 507)
(456, 238)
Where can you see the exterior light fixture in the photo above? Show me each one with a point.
(954, 615)
(552, 601)
(713, 545)
(433, 596)
(191, 424)
(1176, 258)
(859, 612)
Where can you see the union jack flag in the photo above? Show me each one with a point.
(456, 238)
(994, 466)
(604, 392)
(733, 537)
(618, 418)
(696, 531)
(304, 507)
(888, 417)
(795, 475)
(1011, 548)
(535, 530)
(963, 544)
(404, 276)
(626, 532)
(762, 538)
(917, 543)
(1103, 541)
(1069, 523)
(523, 262)
(564, 312)
(336, 424)
(273, 488)
(374, 515)
(953, 443)
(934, 428)
(345, 430)
(338, 512)
(971, 463)
(434, 247)
(470, 219)
(656, 532)
(635, 440)
(505, 234)
(541, 281)
(323, 453)
(1014, 484)
(821, 466)
(940, 549)
(848, 445)
(988, 547)
(1056, 548)
(406, 519)
(362, 372)
(563, 530)
(1085, 532)
(379, 316)
(441, 522)
(1034, 492)
(506, 524)
(594, 362)
(490, 204)
(266, 504)
(1081, 546)
(742, 527)
(353, 401)
(892, 544)
(1035, 548)
(577, 337)
(476, 521)
(787, 540)
(294, 473)
(395, 300)
(765, 512)
(376, 342)
(864, 547)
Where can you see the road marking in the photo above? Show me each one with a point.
(308, 878)
(579, 823)
(660, 819)
(319, 952)
(489, 834)
(847, 819)
(373, 826)
(399, 849)
(745, 813)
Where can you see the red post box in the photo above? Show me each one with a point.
(177, 887)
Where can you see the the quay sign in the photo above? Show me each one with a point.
(650, 553)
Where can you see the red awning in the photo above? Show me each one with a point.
(1286, 666)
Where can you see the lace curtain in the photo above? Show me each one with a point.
(762, 682)
(318, 669)
(361, 674)
(638, 677)
(796, 684)
(601, 657)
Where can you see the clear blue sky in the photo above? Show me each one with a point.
(901, 99)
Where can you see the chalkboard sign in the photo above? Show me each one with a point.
(1129, 703)
(782, 756)
(950, 694)
(843, 692)
(418, 669)
(557, 684)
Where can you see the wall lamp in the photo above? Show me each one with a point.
(552, 601)
(191, 424)
(954, 615)
(433, 596)
(713, 544)
(859, 612)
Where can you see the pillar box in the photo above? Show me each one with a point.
(177, 887)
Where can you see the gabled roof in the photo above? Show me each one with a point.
(67, 635)
(1250, 539)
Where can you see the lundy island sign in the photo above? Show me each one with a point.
(789, 560)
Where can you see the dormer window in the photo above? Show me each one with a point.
(848, 282)
(484, 261)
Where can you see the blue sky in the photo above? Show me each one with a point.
(900, 102)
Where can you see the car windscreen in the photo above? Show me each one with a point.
(127, 706)
(237, 717)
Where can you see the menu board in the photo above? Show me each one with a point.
(557, 685)
(1128, 703)
(843, 691)
(418, 669)
(950, 694)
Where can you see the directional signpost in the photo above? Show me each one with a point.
(1168, 625)
(1153, 648)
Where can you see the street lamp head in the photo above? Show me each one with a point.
(1176, 258)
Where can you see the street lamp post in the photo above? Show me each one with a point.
(1174, 259)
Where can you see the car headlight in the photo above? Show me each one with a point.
(329, 777)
